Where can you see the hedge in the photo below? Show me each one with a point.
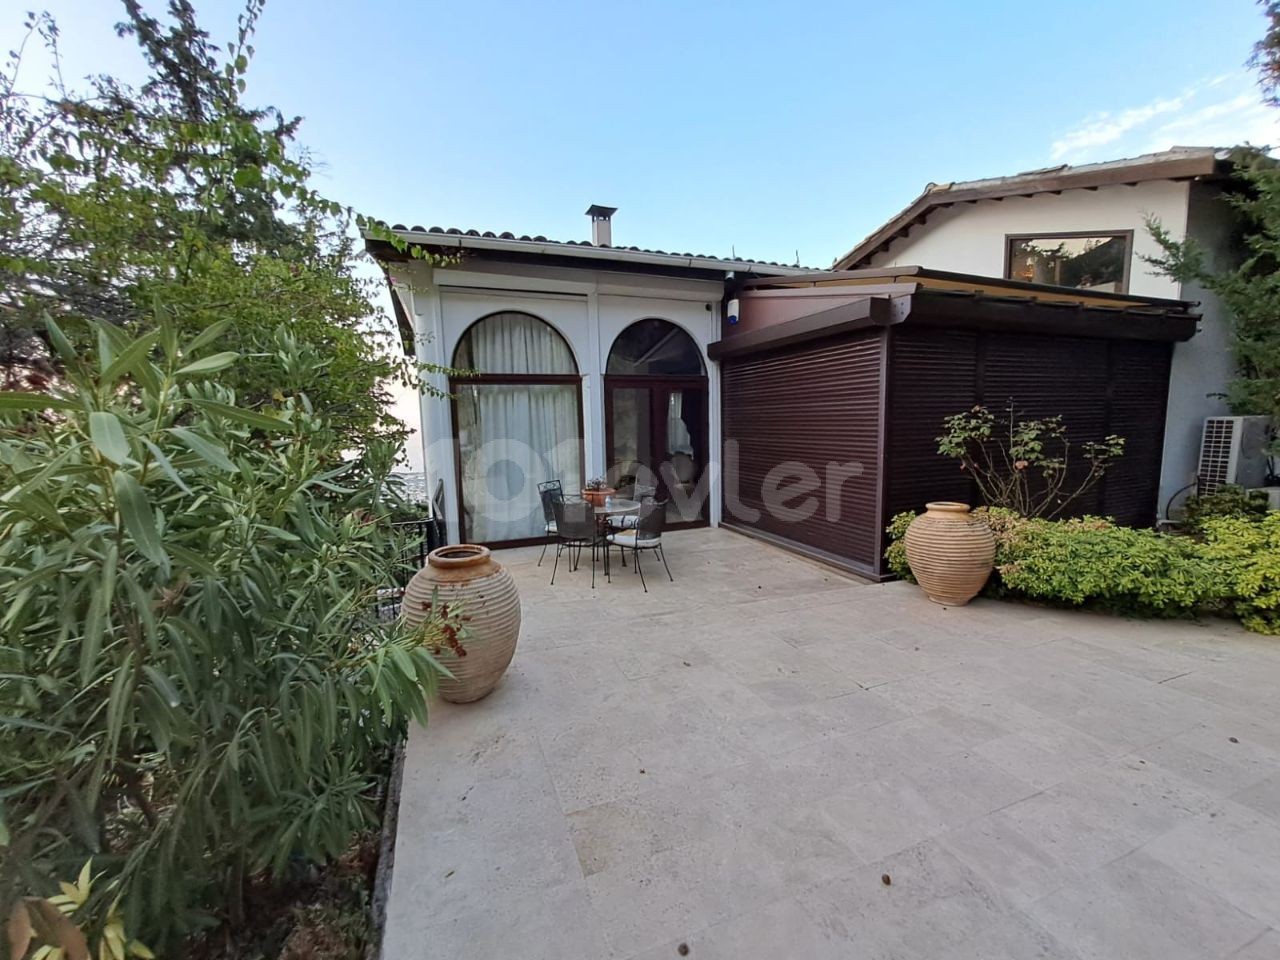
(1232, 568)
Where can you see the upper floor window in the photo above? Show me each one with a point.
(1086, 261)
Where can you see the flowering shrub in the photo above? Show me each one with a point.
(1025, 465)
(195, 684)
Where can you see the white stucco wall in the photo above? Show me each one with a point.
(1203, 365)
(970, 238)
(589, 308)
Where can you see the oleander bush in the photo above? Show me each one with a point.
(1232, 568)
(196, 690)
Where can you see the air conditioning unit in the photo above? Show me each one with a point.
(1233, 453)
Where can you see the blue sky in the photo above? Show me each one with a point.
(772, 130)
(760, 128)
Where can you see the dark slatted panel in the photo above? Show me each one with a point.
(1140, 377)
(815, 406)
(1098, 386)
(1047, 376)
(933, 377)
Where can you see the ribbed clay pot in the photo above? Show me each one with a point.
(468, 575)
(951, 552)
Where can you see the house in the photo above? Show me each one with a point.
(1086, 227)
(590, 358)
(793, 404)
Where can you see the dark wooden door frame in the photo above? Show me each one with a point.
(658, 384)
(510, 379)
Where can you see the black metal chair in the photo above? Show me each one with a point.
(646, 535)
(415, 539)
(575, 529)
(627, 521)
(547, 492)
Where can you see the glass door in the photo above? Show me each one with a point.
(682, 460)
(657, 438)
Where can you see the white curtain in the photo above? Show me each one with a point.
(514, 436)
(514, 343)
(678, 439)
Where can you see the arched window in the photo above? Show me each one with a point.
(517, 421)
(513, 343)
(654, 347)
(656, 425)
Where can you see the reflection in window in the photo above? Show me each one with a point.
(654, 347)
(678, 439)
(1085, 262)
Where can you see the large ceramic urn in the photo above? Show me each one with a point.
(468, 578)
(951, 552)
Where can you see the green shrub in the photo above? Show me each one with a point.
(195, 687)
(1247, 553)
(1230, 501)
(1093, 562)
(895, 554)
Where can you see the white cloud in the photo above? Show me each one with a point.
(1221, 111)
(1242, 119)
(1104, 128)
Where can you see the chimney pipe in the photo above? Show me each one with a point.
(601, 224)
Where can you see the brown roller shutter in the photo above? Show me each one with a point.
(932, 377)
(1097, 386)
(1139, 390)
(1048, 377)
(814, 405)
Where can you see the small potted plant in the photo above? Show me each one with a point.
(596, 490)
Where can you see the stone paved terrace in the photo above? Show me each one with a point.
(734, 761)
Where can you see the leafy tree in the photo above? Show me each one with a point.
(1249, 289)
(195, 688)
(178, 197)
(1266, 53)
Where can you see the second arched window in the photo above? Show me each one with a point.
(656, 418)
